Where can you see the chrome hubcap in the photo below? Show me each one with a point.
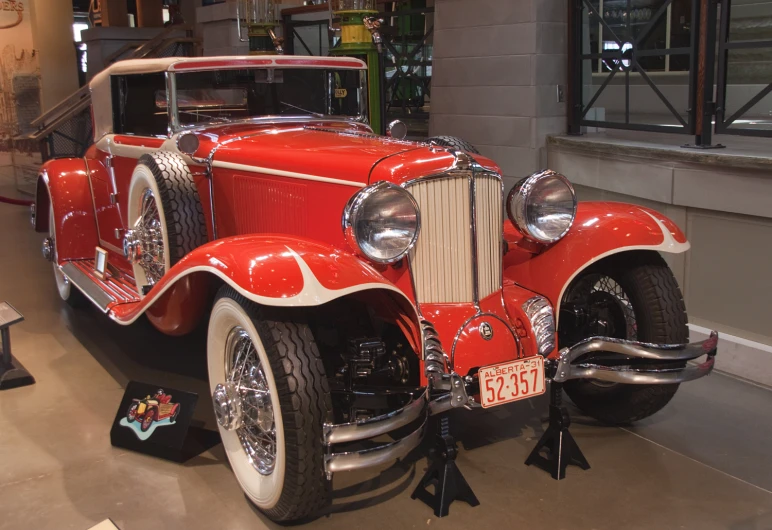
(144, 243)
(48, 249)
(243, 403)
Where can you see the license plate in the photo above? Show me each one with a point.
(511, 381)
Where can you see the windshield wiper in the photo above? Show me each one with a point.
(317, 114)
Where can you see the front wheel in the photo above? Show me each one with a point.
(147, 420)
(131, 415)
(633, 296)
(271, 400)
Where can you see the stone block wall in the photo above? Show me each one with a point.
(496, 68)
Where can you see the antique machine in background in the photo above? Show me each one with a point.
(260, 21)
(360, 37)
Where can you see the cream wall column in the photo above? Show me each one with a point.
(53, 43)
(497, 65)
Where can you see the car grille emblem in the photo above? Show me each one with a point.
(486, 331)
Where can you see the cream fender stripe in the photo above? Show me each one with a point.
(669, 245)
(313, 293)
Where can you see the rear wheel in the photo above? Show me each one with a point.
(633, 297)
(455, 143)
(67, 291)
(271, 399)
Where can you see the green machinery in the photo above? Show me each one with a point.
(360, 37)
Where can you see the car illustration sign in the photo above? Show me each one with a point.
(153, 419)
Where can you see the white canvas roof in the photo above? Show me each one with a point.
(101, 98)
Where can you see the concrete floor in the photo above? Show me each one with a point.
(703, 463)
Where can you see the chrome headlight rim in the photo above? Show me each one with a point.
(516, 209)
(353, 208)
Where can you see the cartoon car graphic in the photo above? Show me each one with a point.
(150, 409)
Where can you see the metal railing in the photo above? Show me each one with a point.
(66, 129)
(652, 67)
(740, 121)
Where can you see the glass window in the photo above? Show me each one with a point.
(136, 108)
(220, 95)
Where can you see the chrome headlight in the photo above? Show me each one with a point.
(542, 206)
(382, 221)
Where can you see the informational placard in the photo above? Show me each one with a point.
(156, 420)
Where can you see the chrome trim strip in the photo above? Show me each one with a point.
(372, 427)
(372, 457)
(631, 374)
(87, 286)
(281, 173)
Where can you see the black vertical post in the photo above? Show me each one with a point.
(723, 59)
(289, 35)
(706, 59)
(575, 65)
(5, 333)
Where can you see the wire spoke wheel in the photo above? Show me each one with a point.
(148, 231)
(257, 432)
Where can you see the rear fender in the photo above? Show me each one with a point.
(600, 230)
(64, 182)
(283, 271)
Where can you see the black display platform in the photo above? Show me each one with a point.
(12, 373)
(156, 420)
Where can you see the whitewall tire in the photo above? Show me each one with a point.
(66, 290)
(273, 440)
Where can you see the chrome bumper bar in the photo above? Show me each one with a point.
(416, 408)
(636, 373)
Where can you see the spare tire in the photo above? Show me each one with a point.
(165, 216)
(455, 143)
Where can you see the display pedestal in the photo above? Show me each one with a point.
(443, 474)
(560, 446)
(12, 373)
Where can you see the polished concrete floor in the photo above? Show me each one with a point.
(703, 463)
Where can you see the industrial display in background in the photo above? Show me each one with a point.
(259, 22)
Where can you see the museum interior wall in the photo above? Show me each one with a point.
(497, 65)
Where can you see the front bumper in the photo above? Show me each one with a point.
(645, 363)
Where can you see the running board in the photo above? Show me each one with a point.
(103, 293)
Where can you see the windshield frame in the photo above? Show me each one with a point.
(173, 111)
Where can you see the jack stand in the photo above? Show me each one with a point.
(449, 484)
(560, 445)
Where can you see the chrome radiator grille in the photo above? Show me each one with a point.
(461, 219)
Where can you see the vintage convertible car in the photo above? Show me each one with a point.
(150, 409)
(354, 284)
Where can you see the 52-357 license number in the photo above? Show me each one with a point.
(511, 381)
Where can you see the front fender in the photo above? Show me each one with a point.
(64, 182)
(280, 271)
(600, 229)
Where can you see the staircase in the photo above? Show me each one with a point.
(66, 130)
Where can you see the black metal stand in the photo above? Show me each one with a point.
(449, 484)
(561, 447)
(12, 373)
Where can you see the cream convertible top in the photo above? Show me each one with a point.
(101, 98)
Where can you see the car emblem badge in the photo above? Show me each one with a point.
(486, 331)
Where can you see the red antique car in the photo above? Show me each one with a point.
(354, 284)
(149, 409)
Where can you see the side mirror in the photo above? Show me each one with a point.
(397, 129)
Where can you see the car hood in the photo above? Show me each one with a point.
(316, 149)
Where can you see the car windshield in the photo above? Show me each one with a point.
(221, 95)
